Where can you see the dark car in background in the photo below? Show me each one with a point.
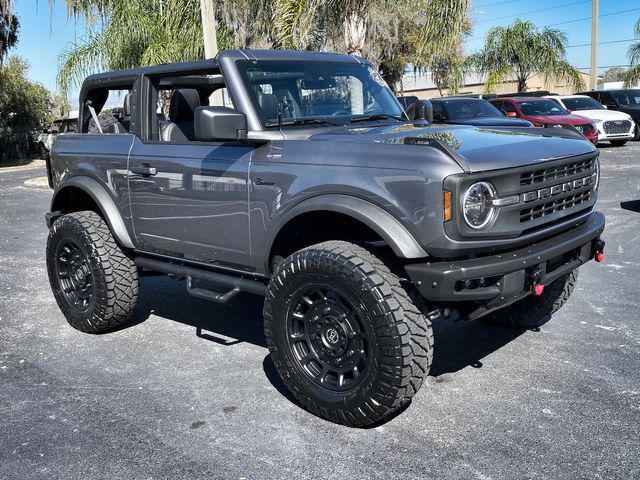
(543, 112)
(472, 111)
(623, 100)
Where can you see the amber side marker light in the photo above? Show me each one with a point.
(446, 205)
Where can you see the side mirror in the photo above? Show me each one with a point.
(511, 114)
(421, 110)
(213, 124)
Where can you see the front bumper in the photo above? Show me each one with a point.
(498, 280)
(605, 137)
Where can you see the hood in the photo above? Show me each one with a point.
(492, 122)
(601, 114)
(570, 119)
(633, 111)
(474, 148)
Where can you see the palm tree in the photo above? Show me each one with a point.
(8, 28)
(520, 51)
(632, 76)
(298, 23)
(131, 33)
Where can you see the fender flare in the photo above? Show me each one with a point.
(104, 201)
(401, 241)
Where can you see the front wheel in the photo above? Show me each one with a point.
(344, 335)
(532, 310)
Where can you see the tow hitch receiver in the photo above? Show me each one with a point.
(598, 249)
(537, 279)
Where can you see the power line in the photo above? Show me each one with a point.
(570, 21)
(605, 66)
(603, 43)
(599, 16)
(534, 11)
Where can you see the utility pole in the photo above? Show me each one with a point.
(593, 74)
(208, 15)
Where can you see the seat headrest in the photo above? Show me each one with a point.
(269, 104)
(184, 102)
(126, 106)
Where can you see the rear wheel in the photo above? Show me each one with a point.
(617, 143)
(94, 282)
(344, 335)
(532, 310)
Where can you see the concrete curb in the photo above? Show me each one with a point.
(40, 182)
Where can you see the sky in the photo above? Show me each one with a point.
(44, 34)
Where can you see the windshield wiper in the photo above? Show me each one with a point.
(378, 116)
(303, 121)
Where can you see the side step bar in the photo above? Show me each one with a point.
(233, 283)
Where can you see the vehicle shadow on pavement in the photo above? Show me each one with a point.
(457, 344)
(227, 324)
(465, 343)
(631, 205)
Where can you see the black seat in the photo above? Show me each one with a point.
(179, 127)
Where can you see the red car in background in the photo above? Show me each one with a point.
(542, 112)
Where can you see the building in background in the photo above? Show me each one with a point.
(423, 86)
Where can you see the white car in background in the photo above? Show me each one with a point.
(613, 126)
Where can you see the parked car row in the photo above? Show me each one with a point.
(44, 140)
(601, 116)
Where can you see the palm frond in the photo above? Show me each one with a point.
(632, 77)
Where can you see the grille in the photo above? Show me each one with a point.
(552, 173)
(548, 208)
(613, 127)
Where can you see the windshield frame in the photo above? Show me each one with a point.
(395, 114)
(616, 93)
(447, 103)
(596, 105)
(563, 111)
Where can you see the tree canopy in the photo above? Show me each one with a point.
(130, 33)
(24, 105)
(9, 26)
(520, 51)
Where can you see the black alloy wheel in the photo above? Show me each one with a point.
(328, 338)
(74, 275)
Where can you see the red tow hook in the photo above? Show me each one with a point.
(599, 250)
(537, 277)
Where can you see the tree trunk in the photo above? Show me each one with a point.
(355, 32)
(522, 85)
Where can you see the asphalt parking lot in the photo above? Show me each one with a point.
(190, 392)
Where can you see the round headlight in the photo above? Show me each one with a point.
(477, 205)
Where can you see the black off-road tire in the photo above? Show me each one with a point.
(110, 274)
(533, 310)
(617, 143)
(399, 338)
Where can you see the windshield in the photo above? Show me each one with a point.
(541, 107)
(627, 98)
(458, 109)
(582, 103)
(317, 92)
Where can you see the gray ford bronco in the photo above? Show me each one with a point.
(359, 223)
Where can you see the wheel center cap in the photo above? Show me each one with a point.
(332, 336)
